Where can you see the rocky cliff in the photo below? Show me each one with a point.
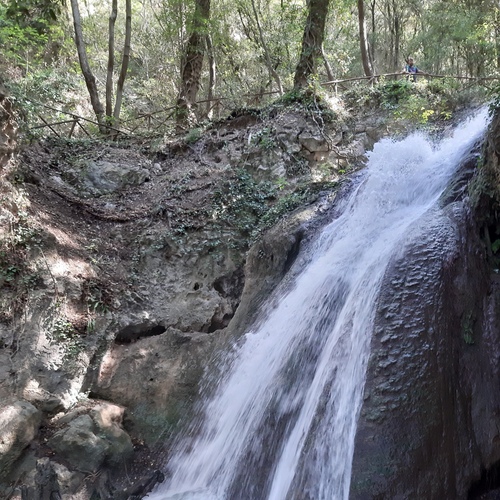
(429, 422)
(123, 266)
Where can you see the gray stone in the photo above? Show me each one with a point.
(46, 482)
(19, 424)
(79, 445)
(376, 133)
(69, 481)
(313, 142)
(144, 376)
(108, 419)
(358, 148)
(107, 177)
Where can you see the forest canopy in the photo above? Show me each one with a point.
(195, 59)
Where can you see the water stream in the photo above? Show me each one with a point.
(282, 422)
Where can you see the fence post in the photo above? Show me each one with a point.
(48, 125)
(73, 125)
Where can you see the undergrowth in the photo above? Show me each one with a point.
(250, 207)
(421, 103)
(17, 275)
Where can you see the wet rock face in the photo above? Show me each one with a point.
(427, 424)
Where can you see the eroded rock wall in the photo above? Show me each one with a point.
(124, 272)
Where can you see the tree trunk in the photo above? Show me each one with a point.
(193, 65)
(363, 40)
(267, 55)
(397, 41)
(312, 42)
(111, 58)
(373, 34)
(328, 68)
(212, 74)
(125, 61)
(84, 65)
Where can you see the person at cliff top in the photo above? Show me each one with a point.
(411, 70)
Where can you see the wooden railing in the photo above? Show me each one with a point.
(153, 122)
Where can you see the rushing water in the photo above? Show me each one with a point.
(282, 422)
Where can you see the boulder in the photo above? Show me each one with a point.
(19, 424)
(152, 377)
(108, 418)
(69, 481)
(107, 176)
(79, 445)
(313, 142)
(91, 440)
(46, 485)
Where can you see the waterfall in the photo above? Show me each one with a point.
(281, 423)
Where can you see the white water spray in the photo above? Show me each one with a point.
(282, 422)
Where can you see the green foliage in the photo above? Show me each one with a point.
(414, 109)
(17, 275)
(291, 97)
(264, 139)
(37, 14)
(360, 95)
(312, 101)
(460, 33)
(443, 86)
(193, 135)
(250, 206)
(283, 206)
(46, 85)
(495, 246)
(395, 91)
(299, 197)
(421, 103)
(242, 202)
(20, 42)
(64, 333)
(96, 296)
(8, 272)
(62, 329)
(29, 34)
(445, 37)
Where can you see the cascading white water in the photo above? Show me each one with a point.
(282, 422)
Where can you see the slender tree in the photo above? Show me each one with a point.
(312, 42)
(111, 57)
(103, 117)
(272, 71)
(192, 64)
(363, 40)
(89, 77)
(125, 61)
(212, 74)
(328, 68)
